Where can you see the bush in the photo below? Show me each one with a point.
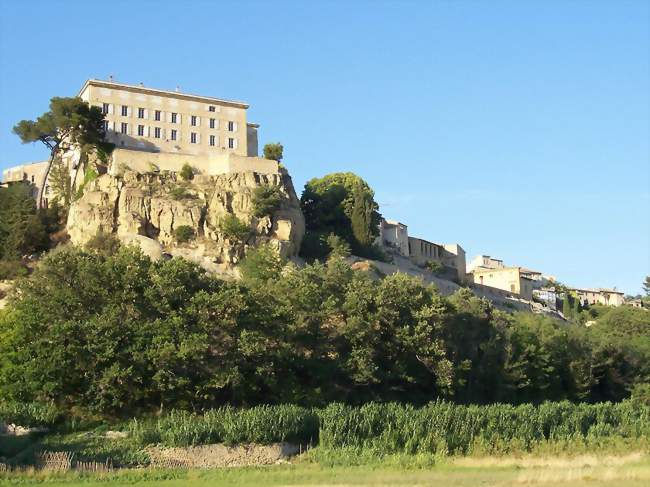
(266, 200)
(104, 243)
(233, 228)
(28, 414)
(180, 193)
(434, 267)
(183, 233)
(261, 264)
(90, 175)
(187, 173)
(273, 151)
(10, 269)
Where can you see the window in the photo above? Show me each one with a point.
(141, 130)
(211, 108)
(173, 135)
(193, 137)
(212, 141)
(105, 124)
(140, 112)
(157, 115)
(193, 121)
(231, 126)
(212, 121)
(124, 128)
(174, 116)
(105, 108)
(156, 132)
(125, 111)
(231, 143)
(32, 178)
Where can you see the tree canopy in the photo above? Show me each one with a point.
(341, 204)
(120, 334)
(69, 121)
(273, 151)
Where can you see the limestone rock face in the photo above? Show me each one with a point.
(146, 209)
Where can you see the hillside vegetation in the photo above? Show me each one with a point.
(121, 335)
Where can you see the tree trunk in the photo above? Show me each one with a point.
(47, 173)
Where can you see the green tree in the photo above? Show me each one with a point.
(261, 264)
(331, 203)
(646, 286)
(69, 121)
(266, 200)
(187, 173)
(21, 226)
(183, 233)
(273, 151)
(233, 228)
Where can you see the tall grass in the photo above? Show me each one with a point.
(443, 427)
(260, 424)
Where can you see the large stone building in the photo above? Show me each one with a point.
(142, 118)
(161, 130)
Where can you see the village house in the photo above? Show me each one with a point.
(607, 297)
(512, 279)
(394, 235)
(484, 262)
(451, 256)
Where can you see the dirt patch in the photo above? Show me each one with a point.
(218, 455)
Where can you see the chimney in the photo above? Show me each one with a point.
(141, 84)
(178, 89)
(110, 78)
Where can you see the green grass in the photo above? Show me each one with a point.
(629, 471)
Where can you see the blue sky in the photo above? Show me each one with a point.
(518, 129)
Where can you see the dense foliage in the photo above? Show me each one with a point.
(266, 200)
(23, 229)
(341, 204)
(121, 335)
(273, 151)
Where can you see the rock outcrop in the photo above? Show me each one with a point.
(147, 209)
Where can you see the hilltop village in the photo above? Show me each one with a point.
(156, 133)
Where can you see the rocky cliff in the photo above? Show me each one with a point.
(148, 208)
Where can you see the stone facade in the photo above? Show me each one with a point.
(607, 297)
(510, 279)
(154, 120)
(394, 235)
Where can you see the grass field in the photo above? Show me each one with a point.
(612, 471)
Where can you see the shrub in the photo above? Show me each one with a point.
(28, 414)
(434, 267)
(90, 175)
(10, 269)
(273, 151)
(183, 233)
(104, 243)
(233, 228)
(261, 264)
(266, 199)
(187, 173)
(180, 193)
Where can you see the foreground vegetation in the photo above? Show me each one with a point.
(620, 471)
(345, 434)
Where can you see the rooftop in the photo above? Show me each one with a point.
(157, 92)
